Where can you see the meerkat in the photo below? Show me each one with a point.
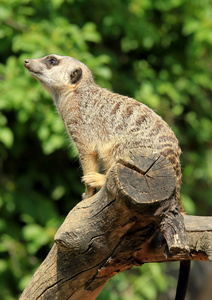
(103, 125)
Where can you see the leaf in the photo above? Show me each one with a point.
(6, 137)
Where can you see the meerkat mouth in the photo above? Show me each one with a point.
(35, 73)
(32, 72)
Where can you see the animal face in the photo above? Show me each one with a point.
(56, 73)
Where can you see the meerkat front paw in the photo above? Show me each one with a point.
(94, 179)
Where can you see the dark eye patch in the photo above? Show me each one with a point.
(51, 61)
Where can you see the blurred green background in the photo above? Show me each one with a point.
(159, 52)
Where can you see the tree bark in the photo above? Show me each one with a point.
(132, 220)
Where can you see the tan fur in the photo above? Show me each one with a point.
(102, 124)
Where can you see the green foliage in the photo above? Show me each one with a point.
(156, 51)
(137, 284)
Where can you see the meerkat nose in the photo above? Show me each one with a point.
(26, 63)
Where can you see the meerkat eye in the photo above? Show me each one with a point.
(53, 61)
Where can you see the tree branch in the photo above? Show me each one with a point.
(133, 219)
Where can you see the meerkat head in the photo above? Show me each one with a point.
(57, 73)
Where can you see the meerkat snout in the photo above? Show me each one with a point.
(30, 65)
(26, 62)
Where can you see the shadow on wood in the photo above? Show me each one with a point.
(133, 219)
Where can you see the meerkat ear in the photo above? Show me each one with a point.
(75, 75)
